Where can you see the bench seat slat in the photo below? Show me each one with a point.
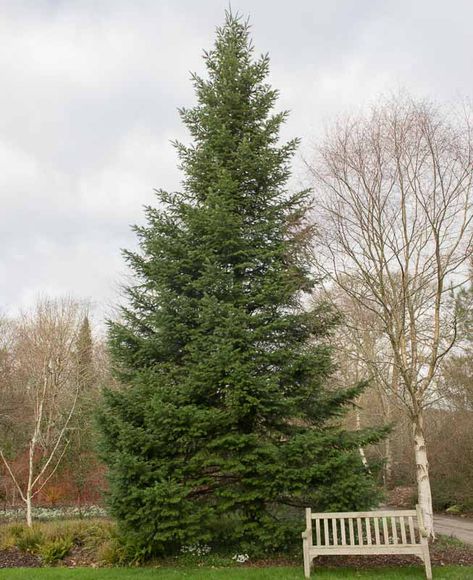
(363, 550)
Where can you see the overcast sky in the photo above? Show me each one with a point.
(88, 99)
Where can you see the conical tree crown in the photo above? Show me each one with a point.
(84, 354)
(227, 253)
(223, 412)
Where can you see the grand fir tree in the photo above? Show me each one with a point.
(223, 420)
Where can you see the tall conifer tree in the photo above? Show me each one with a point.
(81, 459)
(85, 356)
(223, 418)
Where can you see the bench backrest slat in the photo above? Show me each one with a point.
(351, 529)
(368, 531)
(412, 532)
(343, 522)
(318, 538)
(359, 527)
(385, 530)
(377, 537)
(334, 532)
(403, 530)
(394, 529)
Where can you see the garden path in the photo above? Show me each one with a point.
(461, 528)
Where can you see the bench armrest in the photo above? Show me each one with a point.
(423, 531)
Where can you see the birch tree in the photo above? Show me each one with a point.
(46, 388)
(394, 189)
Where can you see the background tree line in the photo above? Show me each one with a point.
(51, 372)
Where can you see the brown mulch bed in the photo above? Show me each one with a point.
(440, 555)
(462, 556)
(14, 558)
(80, 556)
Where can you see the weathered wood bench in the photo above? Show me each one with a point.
(365, 533)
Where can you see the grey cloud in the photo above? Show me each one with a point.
(89, 97)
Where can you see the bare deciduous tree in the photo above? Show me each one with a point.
(46, 390)
(7, 367)
(395, 192)
(363, 351)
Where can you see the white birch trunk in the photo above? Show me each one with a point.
(388, 466)
(29, 488)
(422, 474)
(29, 514)
(360, 449)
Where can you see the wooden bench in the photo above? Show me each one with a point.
(365, 533)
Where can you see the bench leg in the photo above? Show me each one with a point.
(306, 566)
(428, 567)
(306, 559)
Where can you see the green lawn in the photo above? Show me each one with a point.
(447, 572)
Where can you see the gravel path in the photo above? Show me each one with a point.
(461, 528)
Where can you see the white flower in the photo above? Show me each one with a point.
(196, 549)
(241, 558)
(43, 513)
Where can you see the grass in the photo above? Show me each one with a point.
(444, 541)
(446, 573)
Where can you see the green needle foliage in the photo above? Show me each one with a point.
(223, 420)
